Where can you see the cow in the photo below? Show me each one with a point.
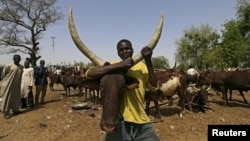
(72, 81)
(91, 85)
(110, 84)
(68, 77)
(224, 81)
(54, 79)
(230, 90)
(172, 82)
(153, 96)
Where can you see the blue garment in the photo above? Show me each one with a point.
(40, 76)
(128, 131)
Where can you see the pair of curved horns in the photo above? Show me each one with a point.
(97, 60)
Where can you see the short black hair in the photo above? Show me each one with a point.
(42, 61)
(16, 55)
(27, 59)
(124, 40)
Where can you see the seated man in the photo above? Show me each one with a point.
(193, 74)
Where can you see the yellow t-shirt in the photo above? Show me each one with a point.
(132, 104)
(132, 109)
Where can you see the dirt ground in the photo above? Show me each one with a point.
(57, 121)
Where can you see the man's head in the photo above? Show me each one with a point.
(42, 63)
(125, 49)
(27, 63)
(16, 59)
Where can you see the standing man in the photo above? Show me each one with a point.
(27, 83)
(135, 124)
(41, 82)
(10, 90)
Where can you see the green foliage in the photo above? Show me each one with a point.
(233, 47)
(160, 62)
(243, 20)
(196, 46)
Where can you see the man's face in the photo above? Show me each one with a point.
(124, 50)
(42, 63)
(16, 59)
(26, 64)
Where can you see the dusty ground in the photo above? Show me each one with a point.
(57, 121)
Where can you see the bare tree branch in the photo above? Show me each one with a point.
(22, 23)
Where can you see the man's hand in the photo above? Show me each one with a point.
(127, 63)
(146, 53)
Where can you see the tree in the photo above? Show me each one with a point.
(243, 16)
(243, 19)
(233, 47)
(22, 23)
(196, 46)
(160, 62)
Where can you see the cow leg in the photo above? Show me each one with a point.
(51, 86)
(68, 91)
(98, 96)
(65, 89)
(242, 95)
(157, 109)
(230, 92)
(94, 96)
(85, 94)
(224, 95)
(181, 102)
(170, 99)
(80, 90)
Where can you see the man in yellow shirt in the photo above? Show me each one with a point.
(135, 124)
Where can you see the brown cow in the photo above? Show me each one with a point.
(112, 83)
(54, 79)
(223, 81)
(91, 85)
(72, 81)
(170, 83)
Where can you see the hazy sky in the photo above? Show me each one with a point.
(101, 24)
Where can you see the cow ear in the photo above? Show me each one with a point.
(131, 82)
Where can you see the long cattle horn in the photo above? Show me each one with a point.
(80, 45)
(152, 44)
(94, 58)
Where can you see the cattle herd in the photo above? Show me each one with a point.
(70, 78)
(192, 96)
(171, 82)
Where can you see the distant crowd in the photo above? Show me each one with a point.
(16, 84)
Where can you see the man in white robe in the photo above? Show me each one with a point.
(27, 83)
(10, 91)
